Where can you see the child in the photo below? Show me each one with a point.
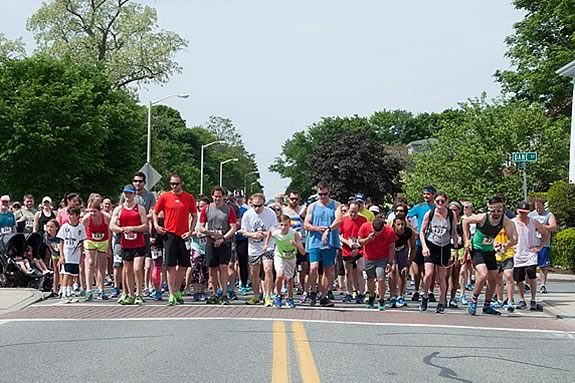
(52, 246)
(158, 270)
(23, 263)
(71, 235)
(197, 275)
(287, 242)
(36, 261)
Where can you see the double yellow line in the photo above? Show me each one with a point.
(280, 366)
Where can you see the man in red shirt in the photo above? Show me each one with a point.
(378, 241)
(352, 253)
(177, 206)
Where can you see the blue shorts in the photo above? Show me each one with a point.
(325, 256)
(543, 257)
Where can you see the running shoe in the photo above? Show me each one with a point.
(66, 300)
(172, 300)
(453, 304)
(178, 296)
(115, 292)
(370, 303)
(431, 298)
(80, 293)
(510, 307)
(359, 298)
(89, 296)
(268, 301)
(472, 308)
(469, 287)
(253, 301)
(187, 292)
(440, 309)
(463, 300)
(244, 290)
(278, 302)
(304, 298)
(290, 303)
(326, 302)
(366, 297)
(533, 305)
(401, 302)
(381, 304)
(312, 299)
(138, 300)
(392, 303)
(213, 300)
(489, 310)
(219, 292)
(415, 296)
(347, 298)
(146, 292)
(543, 289)
(203, 296)
(224, 300)
(233, 295)
(423, 304)
(522, 305)
(196, 297)
(102, 296)
(330, 294)
(128, 300)
(299, 291)
(121, 298)
(158, 295)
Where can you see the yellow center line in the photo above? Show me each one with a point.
(280, 372)
(307, 367)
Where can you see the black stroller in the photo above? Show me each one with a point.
(14, 245)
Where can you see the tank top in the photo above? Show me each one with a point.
(131, 217)
(526, 239)
(284, 249)
(97, 233)
(485, 234)
(439, 232)
(323, 216)
(43, 220)
(64, 217)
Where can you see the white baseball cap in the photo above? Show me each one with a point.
(48, 199)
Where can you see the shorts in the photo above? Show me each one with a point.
(257, 259)
(302, 258)
(506, 264)
(419, 255)
(375, 269)
(543, 260)
(353, 260)
(99, 246)
(438, 255)
(217, 256)
(70, 269)
(401, 258)
(285, 266)
(520, 272)
(175, 251)
(326, 256)
(128, 255)
(484, 257)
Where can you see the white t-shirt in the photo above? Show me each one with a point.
(526, 239)
(252, 222)
(72, 236)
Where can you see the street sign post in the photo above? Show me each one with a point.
(521, 159)
(152, 176)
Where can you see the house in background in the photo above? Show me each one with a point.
(420, 146)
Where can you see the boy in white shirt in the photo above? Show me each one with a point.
(71, 236)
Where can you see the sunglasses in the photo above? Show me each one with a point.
(138, 181)
(294, 199)
(277, 209)
(322, 194)
(440, 201)
(175, 183)
(256, 206)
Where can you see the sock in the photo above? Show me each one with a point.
(475, 297)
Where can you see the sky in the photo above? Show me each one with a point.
(276, 67)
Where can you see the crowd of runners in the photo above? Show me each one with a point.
(214, 249)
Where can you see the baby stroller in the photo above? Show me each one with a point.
(12, 246)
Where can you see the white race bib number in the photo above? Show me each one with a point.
(539, 236)
(29, 224)
(130, 236)
(6, 230)
(155, 254)
(487, 241)
(98, 236)
(69, 243)
(288, 254)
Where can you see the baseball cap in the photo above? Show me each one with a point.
(16, 204)
(129, 189)
(47, 199)
(456, 204)
(360, 197)
(374, 209)
(5, 198)
(523, 206)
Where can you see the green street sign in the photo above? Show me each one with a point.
(523, 156)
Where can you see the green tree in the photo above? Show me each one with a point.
(542, 42)
(121, 34)
(64, 127)
(10, 49)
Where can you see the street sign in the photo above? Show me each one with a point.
(152, 176)
(523, 156)
(521, 165)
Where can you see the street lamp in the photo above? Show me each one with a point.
(222, 167)
(252, 186)
(149, 147)
(202, 164)
(246, 179)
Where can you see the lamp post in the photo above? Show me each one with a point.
(252, 186)
(149, 146)
(246, 180)
(222, 167)
(202, 164)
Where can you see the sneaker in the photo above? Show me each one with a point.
(172, 300)
(138, 300)
(233, 295)
(146, 292)
(543, 289)
(298, 291)
(497, 304)
(472, 308)
(359, 298)
(423, 304)
(158, 295)
(268, 301)
(366, 297)
(431, 298)
(415, 296)
(453, 304)
(401, 302)
(187, 292)
(330, 295)
(290, 303)
(469, 287)
(66, 300)
(489, 310)
(80, 293)
(179, 299)
(312, 299)
(75, 286)
(115, 292)
(89, 296)
(533, 305)
(522, 305)
(278, 302)
(463, 300)
(510, 307)
(121, 298)
(164, 286)
(326, 302)
(303, 299)
(370, 302)
(392, 303)
(347, 298)
(440, 309)
(128, 300)
(213, 300)
(203, 297)
(102, 296)
(381, 304)
(224, 300)
(196, 297)
(253, 301)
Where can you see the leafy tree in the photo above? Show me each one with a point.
(561, 197)
(64, 128)
(121, 34)
(542, 43)
(354, 162)
(223, 129)
(11, 48)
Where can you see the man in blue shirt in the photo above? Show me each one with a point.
(418, 211)
(7, 220)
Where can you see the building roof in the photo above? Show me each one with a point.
(567, 70)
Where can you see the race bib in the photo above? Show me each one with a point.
(439, 231)
(487, 241)
(539, 236)
(288, 254)
(6, 230)
(29, 224)
(69, 243)
(54, 246)
(130, 236)
(98, 236)
(155, 254)
(117, 259)
(203, 240)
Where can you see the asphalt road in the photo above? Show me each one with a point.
(186, 350)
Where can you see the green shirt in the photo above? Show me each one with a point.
(284, 249)
(485, 235)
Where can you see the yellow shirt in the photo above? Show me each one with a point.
(367, 214)
(502, 238)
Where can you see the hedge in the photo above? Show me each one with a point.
(563, 249)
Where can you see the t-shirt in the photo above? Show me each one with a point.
(26, 226)
(218, 219)
(199, 244)
(252, 222)
(177, 209)
(526, 238)
(379, 247)
(72, 236)
(349, 229)
(366, 213)
(502, 238)
(7, 221)
(284, 248)
(418, 211)
(544, 220)
(402, 241)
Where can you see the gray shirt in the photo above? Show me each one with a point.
(218, 219)
(439, 231)
(544, 220)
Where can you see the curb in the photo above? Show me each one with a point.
(553, 311)
(34, 297)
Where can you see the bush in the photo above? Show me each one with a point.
(564, 249)
(561, 198)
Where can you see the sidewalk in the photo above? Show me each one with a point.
(16, 299)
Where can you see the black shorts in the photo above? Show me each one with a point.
(352, 259)
(419, 255)
(520, 272)
(302, 258)
(216, 256)
(70, 269)
(438, 255)
(484, 257)
(128, 255)
(175, 251)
